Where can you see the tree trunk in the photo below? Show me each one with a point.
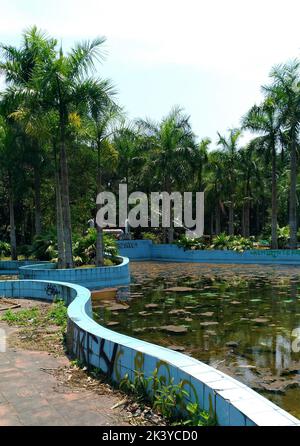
(99, 239)
(59, 225)
(37, 195)
(171, 228)
(13, 239)
(165, 236)
(230, 219)
(274, 242)
(293, 195)
(65, 201)
(218, 219)
(247, 219)
(59, 218)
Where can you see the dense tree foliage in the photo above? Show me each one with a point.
(64, 139)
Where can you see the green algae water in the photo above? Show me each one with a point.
(239, 319)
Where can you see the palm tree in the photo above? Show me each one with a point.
(263, 119)
(199, 162)
(10, 167)
(64, 89)
(285, 90)
(214, 180)
(18, 65)
(171, 152)
(59, 84)
(230, 148)
(102, 115)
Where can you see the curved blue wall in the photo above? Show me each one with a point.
(91, 278)
(116, 355)
(11, 267)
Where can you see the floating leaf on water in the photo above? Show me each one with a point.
(176, 348)
(260, 320)
(207, 314)
(207, 324)
(144, 314)
(176, 329)
(118, 307)
(209, 294)
(112, 324)
(179, 289)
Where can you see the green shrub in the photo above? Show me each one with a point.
(155, 238)
(84, 248)
(232, 242)
(4, 249)
(191, 243)
(44, 247)
(166, 399)
(283, 236)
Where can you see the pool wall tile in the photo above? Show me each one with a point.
(145, 250)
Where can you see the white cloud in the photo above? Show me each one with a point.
(220, 41)
(240, 37)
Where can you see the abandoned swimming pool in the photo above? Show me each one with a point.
(239, 319)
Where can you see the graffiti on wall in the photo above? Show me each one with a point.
(51, 290)
(84, 344)
(110, 358)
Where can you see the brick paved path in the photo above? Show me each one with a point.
(29, 396)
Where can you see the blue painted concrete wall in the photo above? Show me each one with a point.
(136, 249)
(91, 278)
(146, 250)
(116, 355)
(11, 267)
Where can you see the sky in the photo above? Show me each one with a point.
(208, 56)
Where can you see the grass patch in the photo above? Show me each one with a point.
(56, 314)
(22, 317)
(42, 327)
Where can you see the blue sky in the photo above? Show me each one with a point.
(210, 57)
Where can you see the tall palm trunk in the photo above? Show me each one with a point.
(37, 195)
(246, 218)
(274, 242)
(230, 219)
(246, 209)
(99, 239)
(293, 195)
(171, 228)
(169, 233)
(13, 238)
(59, 218)
(59, 225)
(218, 219)
(65, 200)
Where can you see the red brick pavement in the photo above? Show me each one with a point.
(29, 396)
